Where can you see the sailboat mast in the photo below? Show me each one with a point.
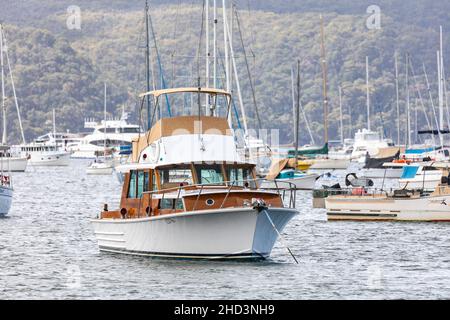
(236, 76)
(147, 63)
(5, 49)
(341, 115)
(441, 104)
(226, 58)
(215, 45)
(397, 99)
(104, 116)
(3, 86)
(367, 93)
(408, 115)
(297, 110)
(442, 77)
(325, 80)
(54, 129)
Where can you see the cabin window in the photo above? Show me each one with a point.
(170, 178)
(129, 130)
(132, 187)
(171, 204)
(240, 176)
(154, 185)
(140, 185)
(166, 204)
(209, 174)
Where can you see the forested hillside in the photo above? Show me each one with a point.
(55, 67)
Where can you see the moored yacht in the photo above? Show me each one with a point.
(370, 142)
(112, 133)
(187, 194)
(44, 153)
(400, 205)
(12, 162)
(40, 154)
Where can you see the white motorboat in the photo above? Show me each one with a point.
(330, 164)
(64, 141)
(367, 141)
(402, 205)
(421, 177)
(43, 155)
(103, 165)
(301, 181)
(379, 173)
(187, 194)
(12, 163)
(100, 168)
(283, 175)
(113, 132)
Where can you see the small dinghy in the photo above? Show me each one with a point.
(283, 175)
(100, 168)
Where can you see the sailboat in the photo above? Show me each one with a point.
(366, 140)
(8, 161)
(102, 165)
(285, 171)
(322, 160)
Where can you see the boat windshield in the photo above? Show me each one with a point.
(209, 174)
(173, 177)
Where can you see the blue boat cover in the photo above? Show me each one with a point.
(409, 172)
(419, 151)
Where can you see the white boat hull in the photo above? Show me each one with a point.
(83, 155)
(228, 233)
(50, 159)
(100, 169)
(6, 194)
(307, 182)
(427, 184)
(433, 208)
(381, 173)
(330, 164)
(14, 164)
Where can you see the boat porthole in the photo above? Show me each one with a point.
(210, 202)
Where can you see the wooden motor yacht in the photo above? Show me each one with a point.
(187, 194)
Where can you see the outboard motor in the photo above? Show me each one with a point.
(352, 180)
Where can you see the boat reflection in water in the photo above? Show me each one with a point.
(187, 194)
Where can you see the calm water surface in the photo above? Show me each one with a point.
(48, 250)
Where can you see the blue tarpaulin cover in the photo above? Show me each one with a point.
(418, 151)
